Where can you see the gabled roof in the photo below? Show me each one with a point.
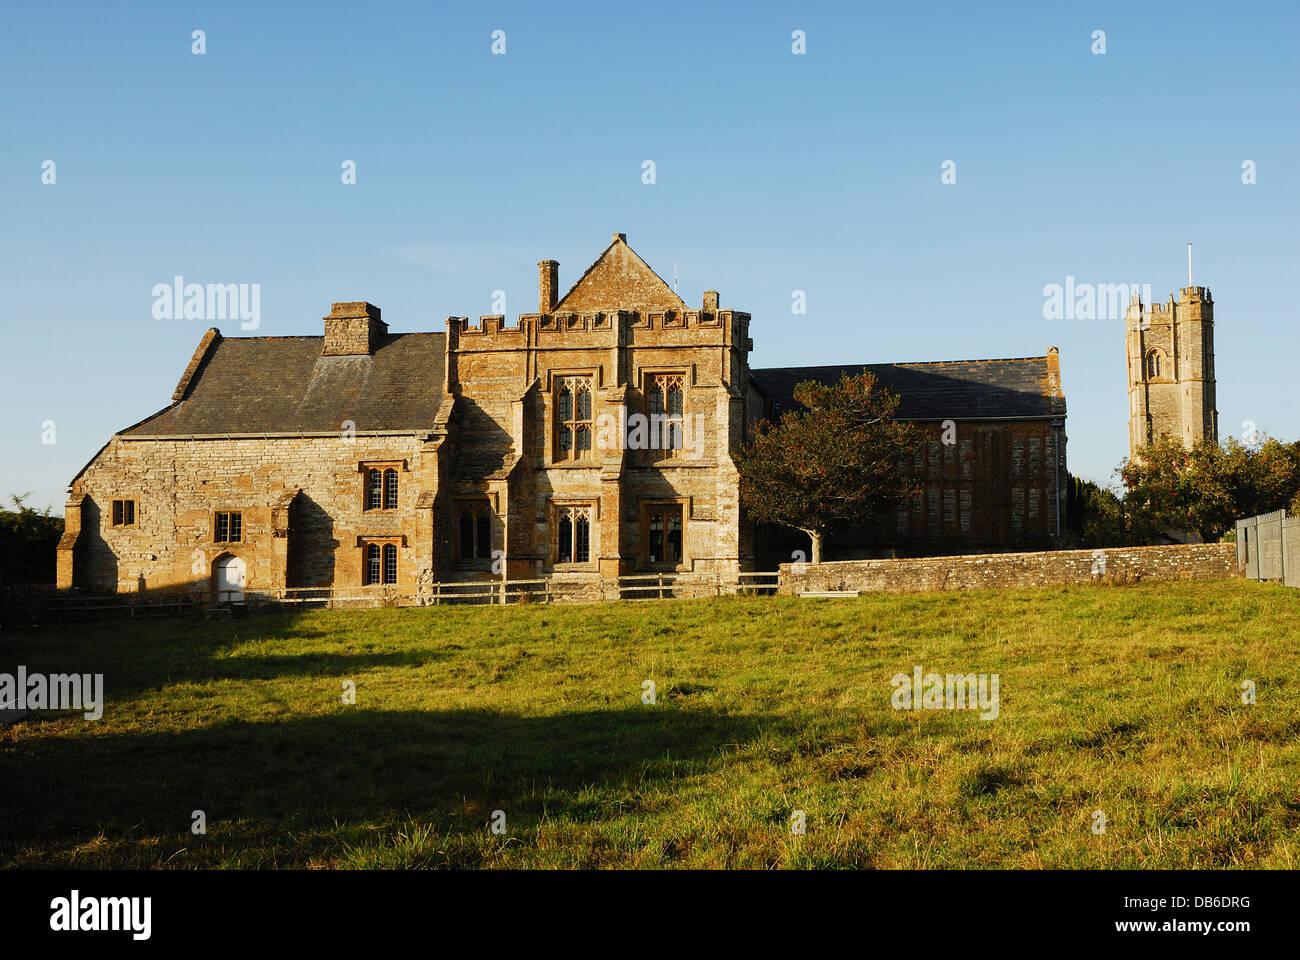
(620, 280)
(282, 385)
(957, 389)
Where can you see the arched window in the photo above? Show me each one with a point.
(390, 563)
(582, 420)
(564, 553)
(581, 539)
(666, 393)
(564, 421)
(1154, 365)
(390, 489)
(380, 564)
(380, 487)
(573, 534)
(573, 417)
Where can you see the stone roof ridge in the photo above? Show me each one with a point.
(201, 353)
(319, 336)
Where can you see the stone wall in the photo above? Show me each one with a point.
(302, 503)
(1204, 561)
(617, 328)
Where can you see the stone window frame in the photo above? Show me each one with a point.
(387, 547)
(556, 379)
(239, 521)
(125, 507)
(389, 496)
(645, 507)
(555, 510)
(480, 508)
(646, 375)
(1155, 365)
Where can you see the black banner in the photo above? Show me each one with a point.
(332, 909)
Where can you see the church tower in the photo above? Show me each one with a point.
(1170, 351)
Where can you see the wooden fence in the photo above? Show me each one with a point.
(21, 605)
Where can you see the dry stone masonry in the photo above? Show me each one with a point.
(1205, 561)
(594, 438)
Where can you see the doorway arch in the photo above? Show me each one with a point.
(229, 575)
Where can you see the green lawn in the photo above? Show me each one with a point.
(1120, 699)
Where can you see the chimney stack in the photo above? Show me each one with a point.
(353, 329)
(710, 301)
(548, 285)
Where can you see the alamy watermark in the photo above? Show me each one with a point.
(179, 300)
(1090, 301)
(75, 913)
(953, 691)
(57, 691)
(657, 431)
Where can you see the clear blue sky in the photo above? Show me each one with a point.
(775, 173)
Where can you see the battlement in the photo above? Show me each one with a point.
(599, 320)
(730, 326)
(591, 320)
(1186, 296)
(494, 323)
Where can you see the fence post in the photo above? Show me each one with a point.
(1281, 539)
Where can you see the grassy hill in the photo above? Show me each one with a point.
(1120, 699)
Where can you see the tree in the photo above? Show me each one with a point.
(1208, 488)
(836, 459)
(28, 543)
(1096, 515)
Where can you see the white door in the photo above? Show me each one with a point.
(230, 580)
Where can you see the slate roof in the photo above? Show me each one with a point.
(959, 389)
(282, 385)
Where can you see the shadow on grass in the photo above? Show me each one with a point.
(354, 766)
(139, 656)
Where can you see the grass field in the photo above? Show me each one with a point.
(1120, 699)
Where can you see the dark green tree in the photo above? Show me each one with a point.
(837, 459)
(1208, 488)
(28, 543)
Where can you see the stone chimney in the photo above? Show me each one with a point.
(1054, 372)
(710, 301)
(353, 329)
(548, 285)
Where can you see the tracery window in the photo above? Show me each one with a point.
(573, 533)
(666, 397)
(573, 405)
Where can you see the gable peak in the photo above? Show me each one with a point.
(620, 280)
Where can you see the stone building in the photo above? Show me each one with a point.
(992, 464)
(594, 438)
(1170, 351)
